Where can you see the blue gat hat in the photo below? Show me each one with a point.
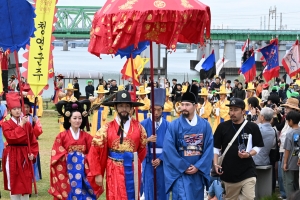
(159, 97)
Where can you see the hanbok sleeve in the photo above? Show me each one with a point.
(59, 185)
(142, 150)
(37, 129)
(34, 146)
(97, 156)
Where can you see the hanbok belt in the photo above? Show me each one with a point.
(19, 145)
(126, 158)
(37, 107)
(157, 150)
(195, 148)
(167, 113)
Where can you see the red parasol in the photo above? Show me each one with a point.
(121, 23)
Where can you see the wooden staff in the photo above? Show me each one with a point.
(153, 118)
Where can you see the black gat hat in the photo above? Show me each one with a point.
(123, 96)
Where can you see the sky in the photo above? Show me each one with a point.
(236, 14)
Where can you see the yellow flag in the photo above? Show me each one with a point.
(40, 46)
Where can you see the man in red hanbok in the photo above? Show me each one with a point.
(113, 150)
(17, 159)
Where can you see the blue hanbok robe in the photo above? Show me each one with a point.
(148, 182)
(186, 145)
(2, 115)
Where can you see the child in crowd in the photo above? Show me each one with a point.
(290, 156)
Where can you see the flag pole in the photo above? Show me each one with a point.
(153, 117)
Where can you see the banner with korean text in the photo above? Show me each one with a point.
(39, 54)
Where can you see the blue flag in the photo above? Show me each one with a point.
(270, 53)
(209, 62)
(248, 69)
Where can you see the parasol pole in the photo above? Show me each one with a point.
(153, 117)
(23, 110)
(134, 87)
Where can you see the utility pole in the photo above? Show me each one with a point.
(271, 12)
(260, 23)
(281, 21)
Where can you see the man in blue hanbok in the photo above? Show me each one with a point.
(188, 151)
(161, 126)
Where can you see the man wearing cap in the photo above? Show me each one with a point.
(100, 114)
(250, 90)
(168, 107)
(112, 150)
(142, 98)
(238, 169)
(221, 111)
(161, 126)
(89, 89)
(17, 161)
(188, 151)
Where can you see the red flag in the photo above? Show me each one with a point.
(291, 60)
(127, 72)
(246, 45)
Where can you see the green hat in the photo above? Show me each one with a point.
(275, 88)
(214, 91)
(89, 81)
(282, 85)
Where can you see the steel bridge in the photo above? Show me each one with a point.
(74, 22)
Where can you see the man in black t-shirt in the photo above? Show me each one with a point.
(238, 169)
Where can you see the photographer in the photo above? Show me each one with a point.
(238, 169)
